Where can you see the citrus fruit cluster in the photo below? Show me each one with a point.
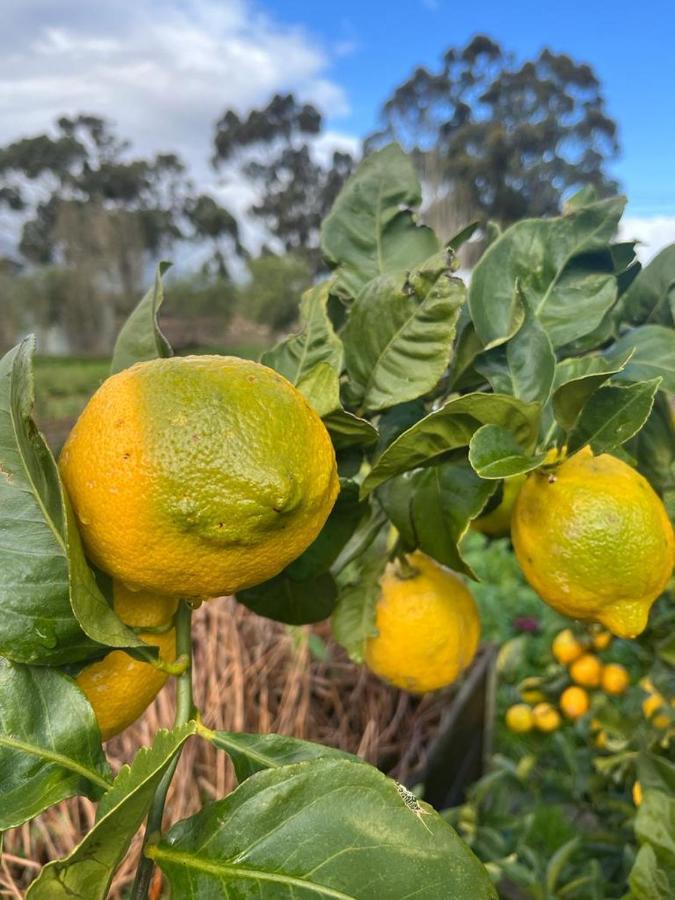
(189, 478)
(586, 671)
(427, 625)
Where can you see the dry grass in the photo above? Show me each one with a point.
(254, 675)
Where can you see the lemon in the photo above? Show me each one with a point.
(198, 476)
(118, 686)
(519, 718)
(545, 717)
(600, 640)
(615, 679)
(427, 624)
(574, 702)
(637, 793)
(497, 522)
(651, 709)
(565, 647)
(594, 540)
(586, 671)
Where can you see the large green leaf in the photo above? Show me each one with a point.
(321, 388)
(251, 753)
(433, 508)
(655, 823)
(653, 447)
(51, 609)
(576, 379)
(297, 355)
(331, 828)
(140, 338)
(613, 415)
(398, 338)
(544, 257)
(495, 453)
(648, 880)
(452, 426)
(653, 357)
(86, 873)
(650, 297)
(50, 745)
(371, 230)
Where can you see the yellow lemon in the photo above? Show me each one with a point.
(427, 624)
(600, 640)
(574, 702)
(546, 717)
(615, 679)
(586, 671)
(198, 476)
(600, 740)
(565, 647)
(651, 707)
(594, 541)
(637, 793)
(497, 522)
(119, 687)
(519, 718)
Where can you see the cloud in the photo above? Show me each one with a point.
(163, 70)
(653, 232)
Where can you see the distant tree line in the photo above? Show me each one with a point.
(493, 139)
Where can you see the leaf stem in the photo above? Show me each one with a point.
(184, 709)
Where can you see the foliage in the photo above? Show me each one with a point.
(502, 139)
(431, 400)
(270, 296)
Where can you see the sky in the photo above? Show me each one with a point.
(164, 70)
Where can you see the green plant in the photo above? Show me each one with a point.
(432, 396)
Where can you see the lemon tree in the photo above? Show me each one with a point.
(406, 407)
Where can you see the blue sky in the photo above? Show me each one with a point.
(630, 46)
(164, 70)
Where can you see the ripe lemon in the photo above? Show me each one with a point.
(615, 679)
(519, 718)
(565, 647)
(545, 717)
(428, 628)
(497, 522)
(594, 541)
(574, 702)
(119, 687)
(637, 793)
(586, 671)
(651, 709)
(198, 476)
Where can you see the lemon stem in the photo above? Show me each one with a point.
(184, 711)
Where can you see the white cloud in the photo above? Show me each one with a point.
(653, 232)
(162, 70)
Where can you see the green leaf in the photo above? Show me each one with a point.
(655, 824)
(50, 745)
(495, 453)
(347, 430)
(371, 230)
(48, 596)
(462, 236)
(612, 416)
(649, 299)
(452, 426)
(398, 338)
(297, 355)
(647, 880)
(353, 621)
(251, 753)
(294, 602)
(544, 256)
(558, 861)
(140, 338)
(576, 379)
(341, 830)
(653, 357)
(433, 507)
(321, 388)
(87, 871)
(653, 447)
(656, 773)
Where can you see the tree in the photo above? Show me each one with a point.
(498, 139)
(272, 148)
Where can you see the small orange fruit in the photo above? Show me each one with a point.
(601, 640)
(519, 718)
(586, 671)
(614, 679)
(565, 647)
(546, 717)
(637, 793)
(574, 702)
